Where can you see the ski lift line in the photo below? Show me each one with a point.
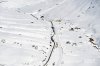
(53, 41)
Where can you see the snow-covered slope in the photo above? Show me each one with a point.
(49, 33)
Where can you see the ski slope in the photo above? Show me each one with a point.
(49, 33)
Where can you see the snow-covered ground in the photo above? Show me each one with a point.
(49, 33)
